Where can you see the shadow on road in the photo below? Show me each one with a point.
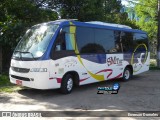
(141, 93)
(29, 92)
(83, 97)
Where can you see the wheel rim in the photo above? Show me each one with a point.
(126, 74)
(69, 84)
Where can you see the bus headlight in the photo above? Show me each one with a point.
(38, 70)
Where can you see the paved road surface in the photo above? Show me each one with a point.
(141, 93)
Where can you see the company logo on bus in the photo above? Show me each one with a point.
(114, 60)
(38, 70)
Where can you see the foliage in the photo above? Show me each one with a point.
(153, 63)
(147, 13)
(95, 10)
(7, 86)
(154, 68)
(4, 80)
(122, 18)
(17, 16)
(85, 10)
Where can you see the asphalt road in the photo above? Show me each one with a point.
(141, 93)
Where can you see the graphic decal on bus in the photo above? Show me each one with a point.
(138, 62)
(106, 70)
(114, 60)
(74, 45)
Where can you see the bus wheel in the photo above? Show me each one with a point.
(67, 84)
(126, 74)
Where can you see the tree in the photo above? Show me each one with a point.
(89, 10)
(16, 17)
(147, 14)
(158, 35)
(112, 8)
(85, 10)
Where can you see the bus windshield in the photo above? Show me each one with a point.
(35, 42)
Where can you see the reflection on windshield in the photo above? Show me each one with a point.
(35, 41)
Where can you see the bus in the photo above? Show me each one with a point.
(67, 53)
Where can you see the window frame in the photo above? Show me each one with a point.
(62, 53)
(56, 40)
(130, 44)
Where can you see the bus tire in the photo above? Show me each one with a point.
(127, 74)
(67, 84)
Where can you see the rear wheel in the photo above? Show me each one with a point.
(67, 84)
(127, 74)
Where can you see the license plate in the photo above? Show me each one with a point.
(18, 82)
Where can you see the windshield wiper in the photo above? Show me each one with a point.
(25, 53)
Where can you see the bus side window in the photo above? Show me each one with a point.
(139, 39)
(60, 42)
(127, 41)
(63, 41)
(118, 44)
(104, 40)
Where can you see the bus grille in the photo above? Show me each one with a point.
(21, 70)
(20, 78)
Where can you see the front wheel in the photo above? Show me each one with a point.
(67, 84)
(127, 74)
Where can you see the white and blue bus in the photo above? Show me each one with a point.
(66, 53)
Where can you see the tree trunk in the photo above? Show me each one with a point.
(158, 39)
(0, 59)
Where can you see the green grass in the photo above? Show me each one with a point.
(153, 65)
(6, 86)
(10, 89)
(4, 80)
(154, 68)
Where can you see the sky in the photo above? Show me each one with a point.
(124, 2)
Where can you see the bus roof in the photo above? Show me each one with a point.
(97, 24)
